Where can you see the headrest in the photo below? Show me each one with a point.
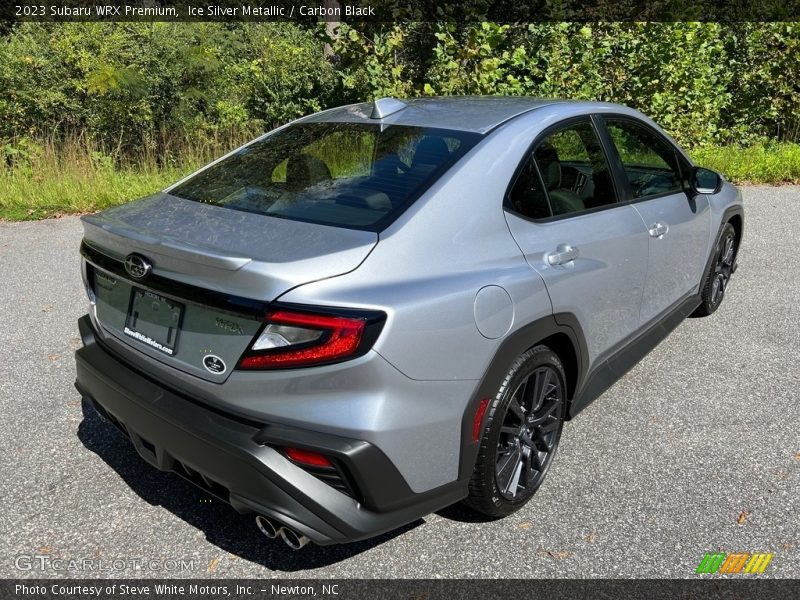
(430, 151)
(304, 170)
(547, 158)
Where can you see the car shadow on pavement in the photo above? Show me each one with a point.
(463, 514)
(232, 532)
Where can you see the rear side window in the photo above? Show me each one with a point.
(353, 175)
(528, 196)
(651, 164)
(566, 173)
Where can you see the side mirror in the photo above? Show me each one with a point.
(705, 181)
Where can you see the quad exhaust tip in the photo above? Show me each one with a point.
(294, 540)
(268, 527)
(272, 530)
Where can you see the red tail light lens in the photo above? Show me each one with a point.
(297, 339)
(306, 457)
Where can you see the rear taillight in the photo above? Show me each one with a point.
(296, 339)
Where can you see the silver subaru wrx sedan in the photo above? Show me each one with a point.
(385, 308)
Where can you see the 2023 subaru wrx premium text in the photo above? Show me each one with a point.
(385, 308)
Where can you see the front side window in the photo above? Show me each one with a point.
(650, 163)
(353, 175)
(567, 173)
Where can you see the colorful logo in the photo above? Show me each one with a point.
(737, 562)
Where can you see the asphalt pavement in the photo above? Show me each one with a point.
(697, 449)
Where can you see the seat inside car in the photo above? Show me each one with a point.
(391, 176)
(430, 153)
(305, 170)
(562, 200)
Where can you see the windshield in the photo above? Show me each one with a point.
(354, 175)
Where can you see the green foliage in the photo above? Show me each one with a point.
(62, 186)
(673, 72)
(283, 76)
(374, 64)
(93, 114)
(764, 59)
(475, 61)
(77, 192)
(140, 88)
(704, 82)
(761, 162)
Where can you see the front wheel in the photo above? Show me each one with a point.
(722, 267)
(521, 434)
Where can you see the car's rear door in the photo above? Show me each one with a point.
(590, 250)
(678, 223)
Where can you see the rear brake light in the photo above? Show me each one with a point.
(296, 339)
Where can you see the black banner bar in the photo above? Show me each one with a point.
(745, 588)
(504, 11)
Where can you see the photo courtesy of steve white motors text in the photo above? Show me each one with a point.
(169, 589)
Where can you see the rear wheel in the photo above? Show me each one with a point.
(521, 434)
(713, 291)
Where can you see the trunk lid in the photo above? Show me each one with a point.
(201, 253)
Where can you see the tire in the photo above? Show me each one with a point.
(718, 277)
(521, 434)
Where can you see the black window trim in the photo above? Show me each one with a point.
(618, 166)
(547, 132)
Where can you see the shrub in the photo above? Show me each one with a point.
(141, 89)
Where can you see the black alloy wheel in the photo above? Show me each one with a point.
(723, 266)
(529, 433)
(520, 434)
(723, 269)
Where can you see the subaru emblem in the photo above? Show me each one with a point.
(137, 266)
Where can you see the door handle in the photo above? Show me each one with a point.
(564, 253)
(658, 229)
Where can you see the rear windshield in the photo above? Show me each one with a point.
(353, 175)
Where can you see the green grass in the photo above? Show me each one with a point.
(24, 197)
(73, 182)
(42, 179)
(770, 162)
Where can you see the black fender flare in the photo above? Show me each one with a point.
(510, 348)
(727, 214)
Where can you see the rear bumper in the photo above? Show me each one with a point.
(234, 459)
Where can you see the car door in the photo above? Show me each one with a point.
(678, 223)
(590, 250)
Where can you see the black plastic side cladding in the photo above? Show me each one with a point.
(729, 213)
(611, 367)
(375, 479)
(588, 385)
(511, 347)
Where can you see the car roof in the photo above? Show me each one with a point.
(479, 114)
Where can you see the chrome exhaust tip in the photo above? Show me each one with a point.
(268, 527)
(294, 540)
